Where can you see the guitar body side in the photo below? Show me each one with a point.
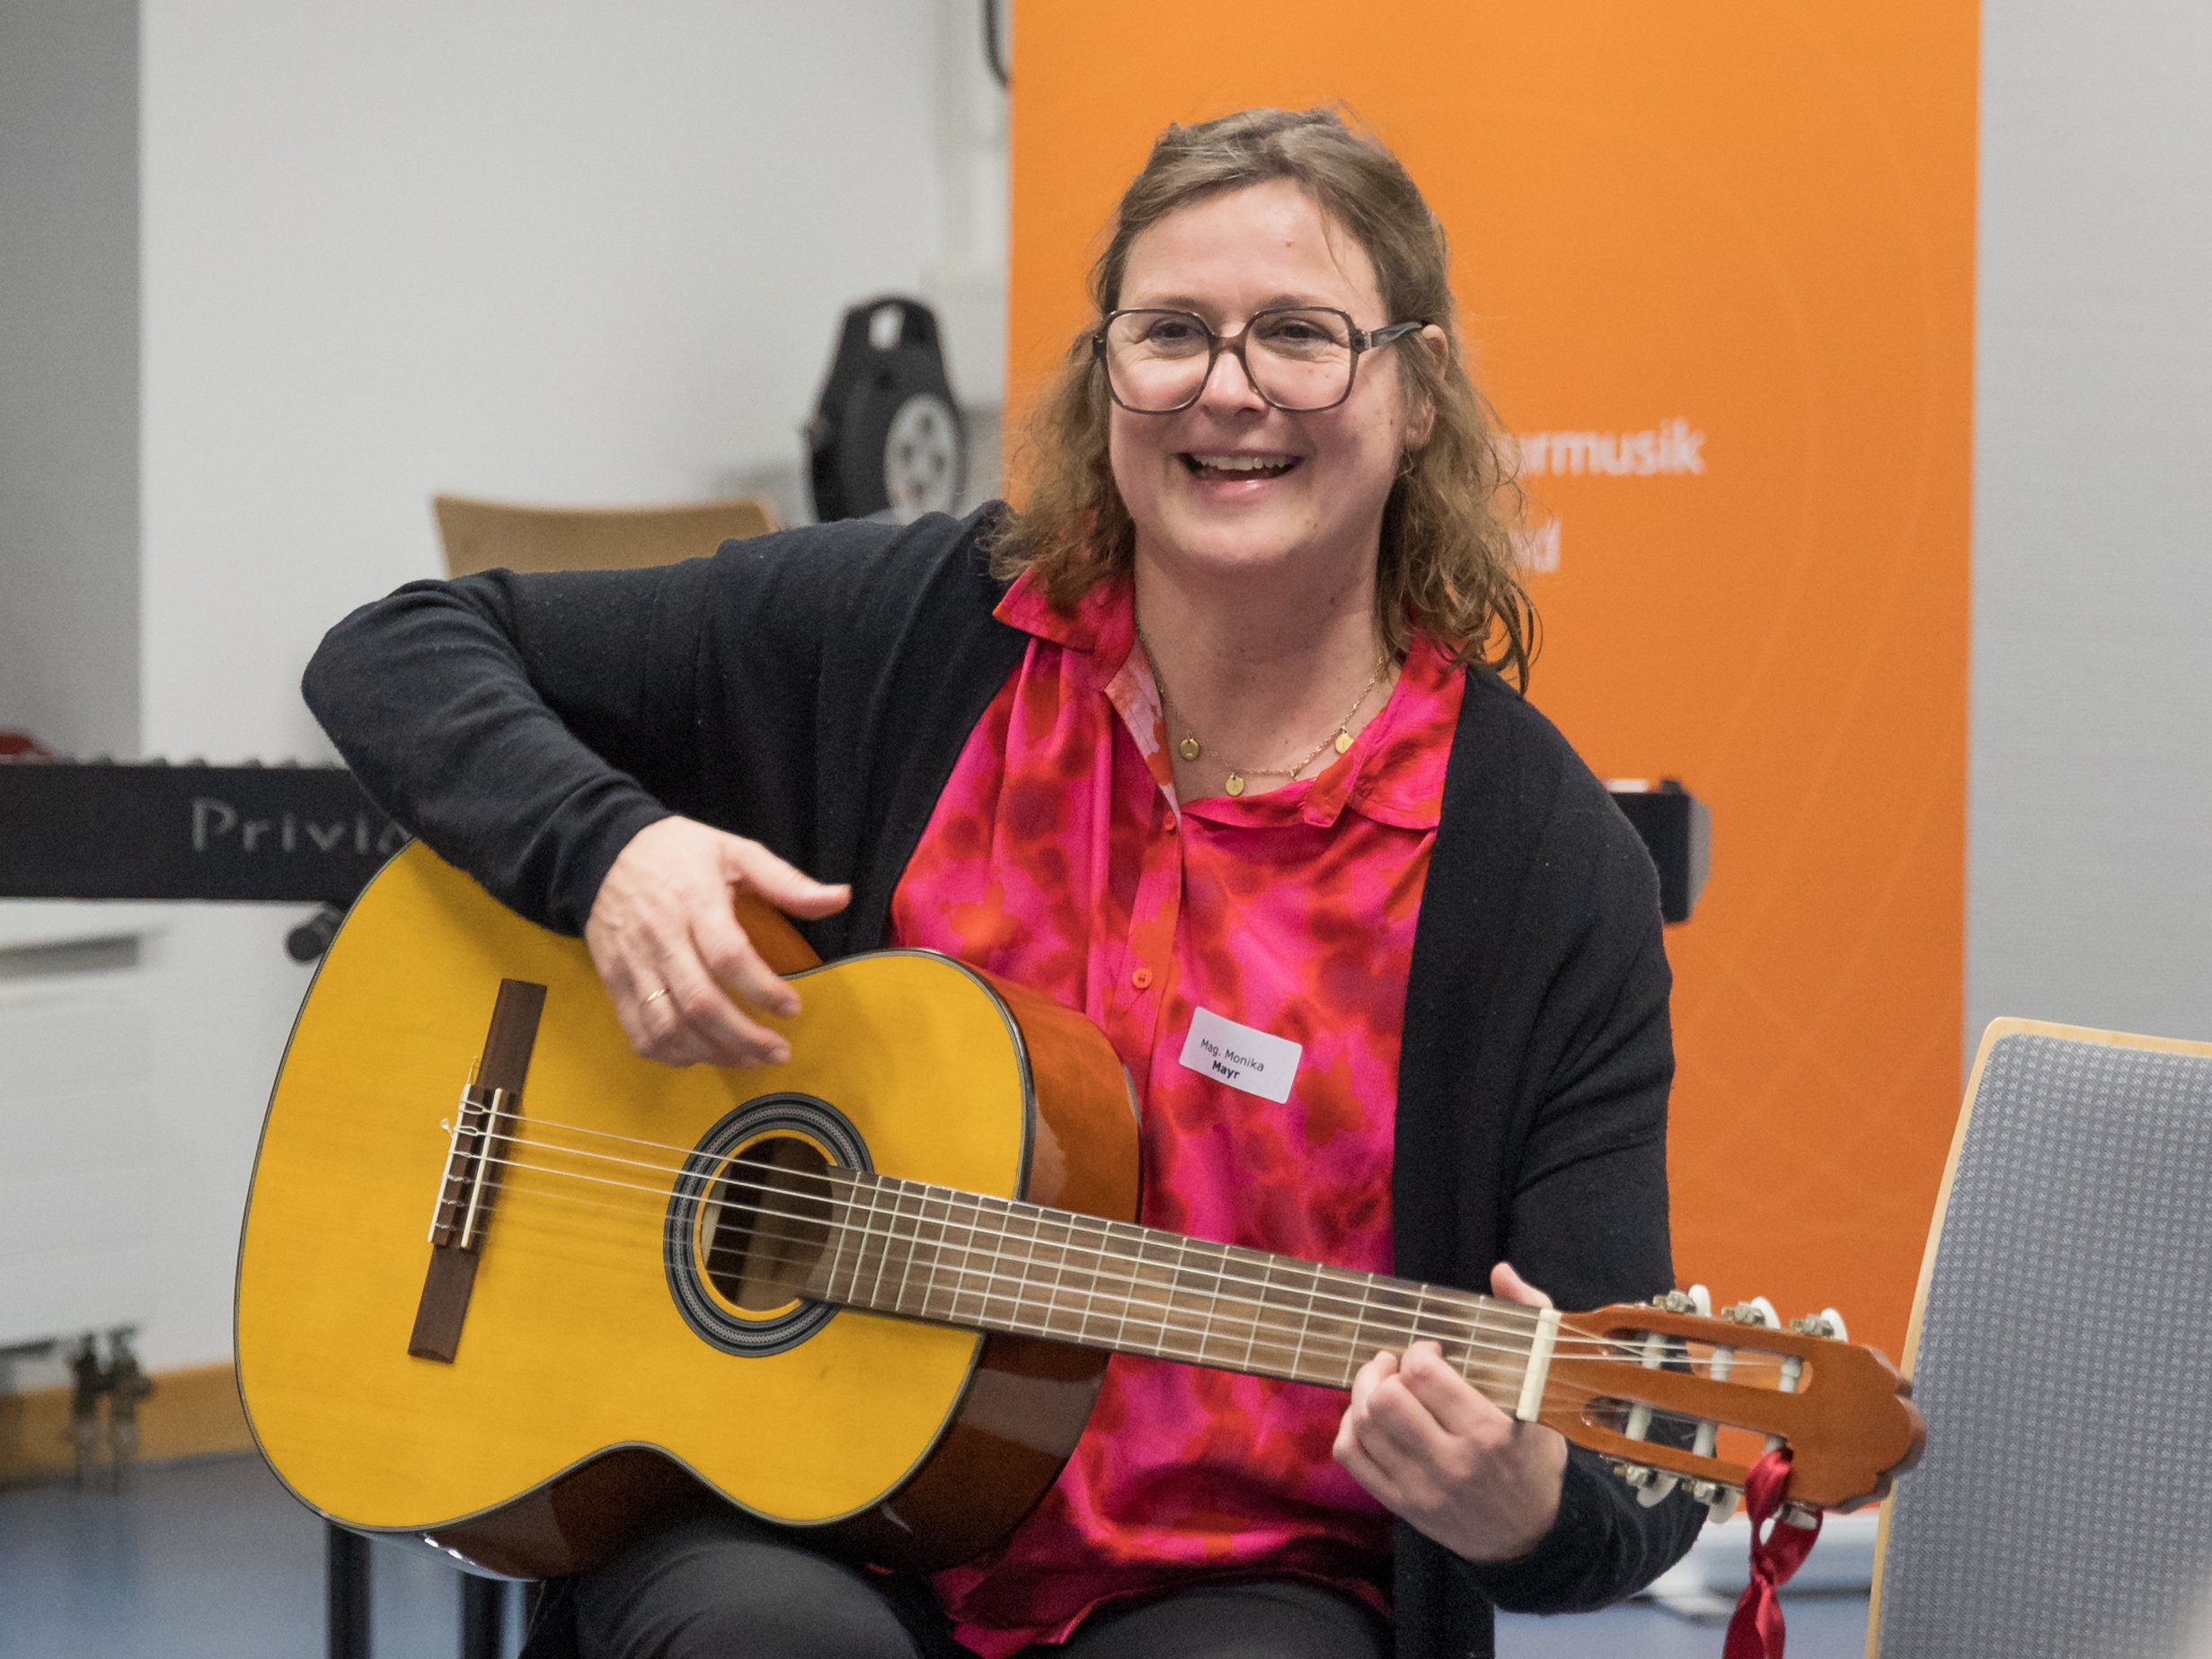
(579, 1406)
(1027, 1401)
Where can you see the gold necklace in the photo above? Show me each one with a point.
(1190, 748)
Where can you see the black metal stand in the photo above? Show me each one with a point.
(483, 1617)
(346, 1593)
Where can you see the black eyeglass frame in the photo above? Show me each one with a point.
(1361, 340)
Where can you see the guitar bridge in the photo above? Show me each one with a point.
(471, 1180)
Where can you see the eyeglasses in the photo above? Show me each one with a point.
(1299, 359)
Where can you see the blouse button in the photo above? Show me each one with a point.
(1142, 978)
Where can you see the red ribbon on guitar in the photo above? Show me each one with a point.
(1778, 1548)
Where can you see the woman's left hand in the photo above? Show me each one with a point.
(1442, 1457)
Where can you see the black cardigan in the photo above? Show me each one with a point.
(812, 689)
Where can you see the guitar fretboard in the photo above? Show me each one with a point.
(926, 1252)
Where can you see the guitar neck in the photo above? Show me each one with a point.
(924, 1252)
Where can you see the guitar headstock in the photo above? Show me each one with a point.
(1841, 1408)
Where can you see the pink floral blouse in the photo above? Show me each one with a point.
(1059, 857)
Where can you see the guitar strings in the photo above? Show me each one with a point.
(1169, 1331)
(1132, 1298)
(1566, 1342)
(979, 1227)
(1489, 1313)
(1347, 1352)
(1508, 1312)
(1500, 1383)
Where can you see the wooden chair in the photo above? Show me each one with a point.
(2059, 1349)
(492, 536)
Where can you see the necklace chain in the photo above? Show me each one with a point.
(1190, 748)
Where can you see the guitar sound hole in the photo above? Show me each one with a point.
(765, 1225)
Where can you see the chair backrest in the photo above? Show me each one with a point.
(2061, 1348)
(491, 536)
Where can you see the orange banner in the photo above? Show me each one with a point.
(1715, 267)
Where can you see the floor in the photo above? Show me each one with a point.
(212, 1560)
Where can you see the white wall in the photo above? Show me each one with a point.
(562, 253)
(69, 373)
(2090, 873)
(552, 253)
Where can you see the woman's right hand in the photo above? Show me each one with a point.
(662, 922)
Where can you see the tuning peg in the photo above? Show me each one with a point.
(1758, 1310)
(1697, 1300)
(1720, 1501)
(1828, 1325)
(1651, 1485)
(1803, 1515)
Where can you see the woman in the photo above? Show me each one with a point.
(1211, 738)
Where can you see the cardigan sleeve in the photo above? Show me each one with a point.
(527, 726)
(1586, 1215)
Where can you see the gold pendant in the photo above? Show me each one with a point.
(1236, 783)
(1190, 749)
(1343, 740)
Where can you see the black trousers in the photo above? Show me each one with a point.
(721, 1586)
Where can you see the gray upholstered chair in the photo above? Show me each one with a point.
(2061, 1348)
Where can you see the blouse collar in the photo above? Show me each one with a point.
(1393, 772)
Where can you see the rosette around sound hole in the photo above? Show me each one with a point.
(750, 1235)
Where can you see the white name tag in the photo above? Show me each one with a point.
(1240, 1056)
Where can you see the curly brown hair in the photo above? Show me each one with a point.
(1449, 563)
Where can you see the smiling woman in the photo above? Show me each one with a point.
(1210, 743)
(1345, 221)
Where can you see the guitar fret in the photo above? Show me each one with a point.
(1067, 1248)
(1182, 1292)
(1174, 1290)
(914, 1244)
(960, 1237)
(1213, 1303)
(1019, 1295)
(996, 1264)
(1132, 1292)
(1305, 1320)
(1121, 1325)
(1089, 1296)
(1394, 1303)
(1149, 1286)
(1273, 1328)
(1358, 1339)
(1414, 1332)
(882, 1251)
(897, 1246)
(994, 1267)
(867, 1248)
(1325, 1328)
(840, 1227)
(998, 1273)
(941, 1227)
(974, 1281)
(1251, 1335)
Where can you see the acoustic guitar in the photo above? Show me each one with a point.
(508, 1289)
